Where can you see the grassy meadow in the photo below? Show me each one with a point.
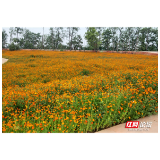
(75, 92)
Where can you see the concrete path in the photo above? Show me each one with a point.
(121, 127)
(4, 60)
(154, 52)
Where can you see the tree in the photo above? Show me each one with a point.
(137, 37)
(77, 42)
(18, 30)
(29, 40)
(4, 38)
(106, 39)
(71, 35)
(153, 40)
(92, 38)
(12, 32)
(113, 31)
(121, 38)
(59, 35)
(129, 31)
(43, 39)
(52, 37)
(142, 39)
(100, 31)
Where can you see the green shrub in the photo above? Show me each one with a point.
(85, 72)
(13, 47)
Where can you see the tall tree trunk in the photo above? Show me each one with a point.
(69, 37)
(147, 41)
(52, 42)
(42, 38)
(17, 34)
(137, 42)
(129, 40)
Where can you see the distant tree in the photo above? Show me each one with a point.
(137, 30)
(106, 38)
(77, 42)
(92, 38)
(100, 31)
(18, 30)
(43, 39)
(71, 34)
(153, 40)
(4, 38)
(121, 38)
(29, 40)
(113, 31)
(59, 35)
(142, 39)
(52, 37)
(11, 32)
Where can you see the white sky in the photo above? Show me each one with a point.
(81, 32)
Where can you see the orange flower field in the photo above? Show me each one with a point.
(81, 92)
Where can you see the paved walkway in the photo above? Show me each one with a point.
(4, 60)
(121, 127)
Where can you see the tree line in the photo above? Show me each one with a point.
(122, 38)
(98, 38)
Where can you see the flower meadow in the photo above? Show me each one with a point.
(76, 92)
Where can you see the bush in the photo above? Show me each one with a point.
(13, 47)
(85, 72)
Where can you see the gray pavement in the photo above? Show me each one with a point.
(4, 60)
(121, 127)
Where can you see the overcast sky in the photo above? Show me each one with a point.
(81, 32)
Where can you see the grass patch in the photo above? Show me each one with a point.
(46, 80)
(85, 72)
(32, 65)
(36, 56)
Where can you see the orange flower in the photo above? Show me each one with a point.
(29, 131)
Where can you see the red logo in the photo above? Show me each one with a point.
(132, 124)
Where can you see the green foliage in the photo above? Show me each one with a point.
(92, 38)
(106, 39)
(85, 72)
(4, 39)
(13, 47)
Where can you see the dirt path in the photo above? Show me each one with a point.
(4, 60)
